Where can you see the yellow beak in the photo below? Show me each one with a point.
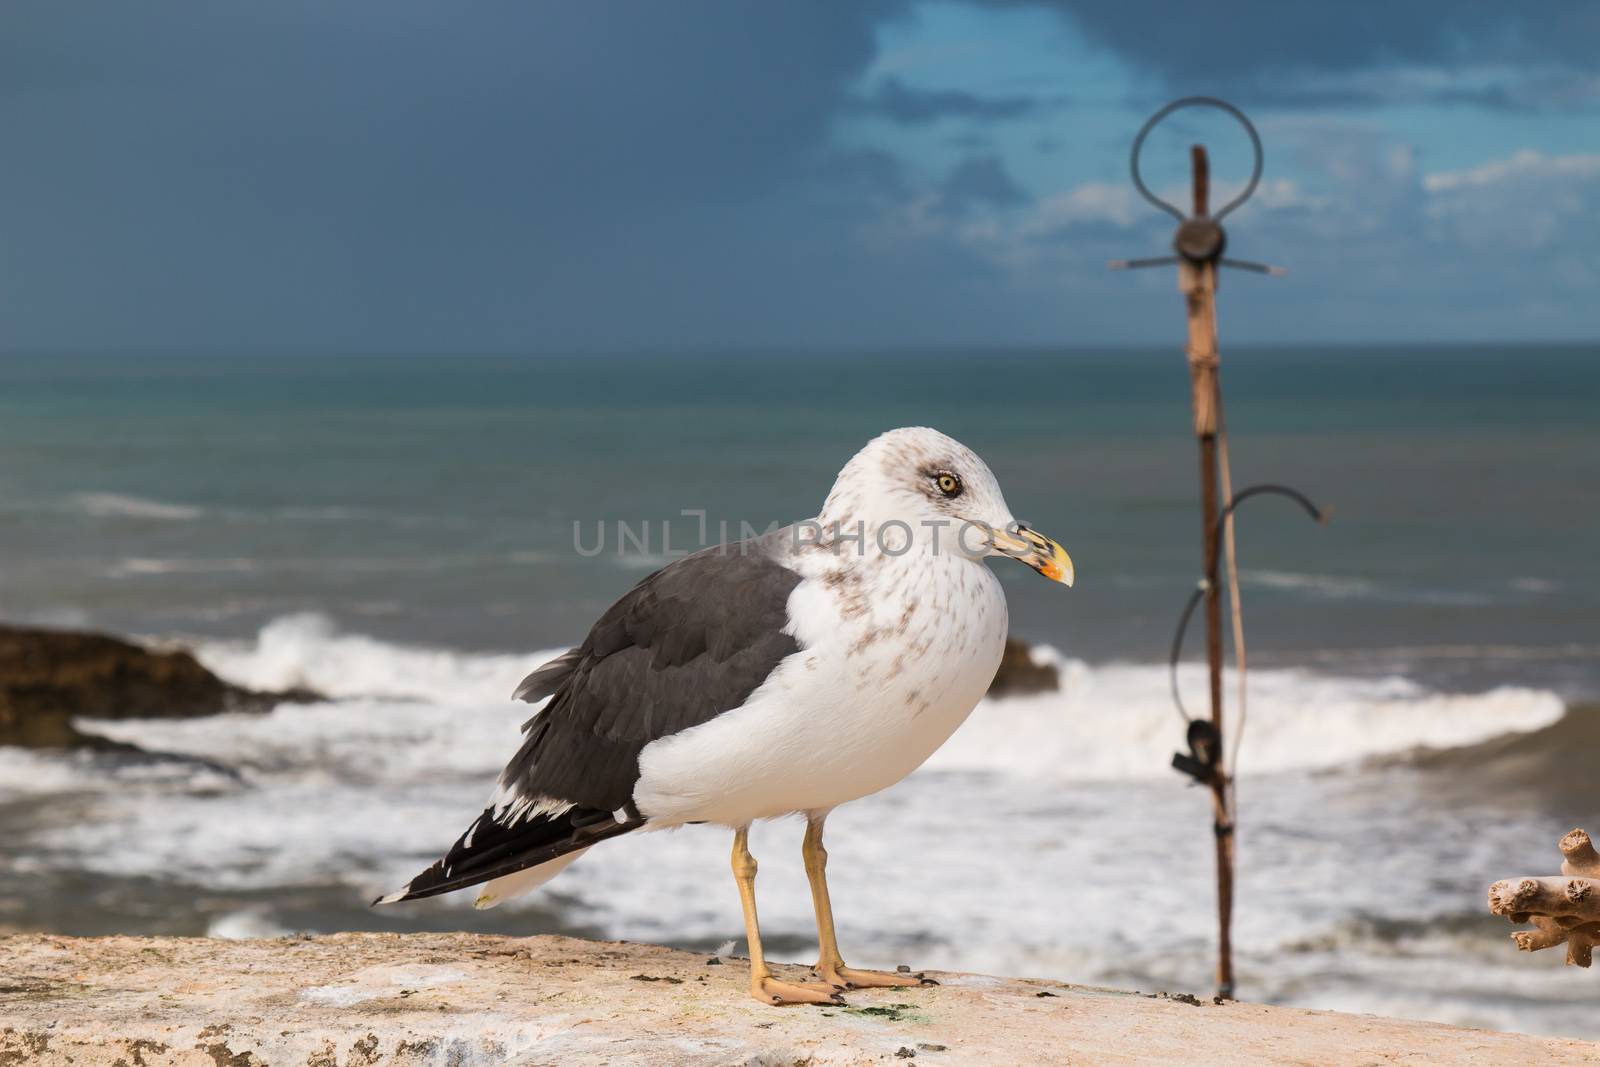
(1037, 551)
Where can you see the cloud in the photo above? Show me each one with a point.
(1493, 87)
(1090, 202)
(865, 171)
(1492, 55)
(895, 100)
(613, 174)
(1524, 206)
(1380, 250)
(1257, 36)
(1523, 166)
(308, 174)
(983, 180)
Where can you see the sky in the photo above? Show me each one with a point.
(237, 177)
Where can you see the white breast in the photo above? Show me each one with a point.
(895, 654)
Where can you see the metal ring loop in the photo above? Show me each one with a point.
(1195, 101)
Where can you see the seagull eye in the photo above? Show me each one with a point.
(948, 484)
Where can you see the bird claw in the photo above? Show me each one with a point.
(776, 992)
(851, 978)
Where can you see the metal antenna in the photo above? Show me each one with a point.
(1199, 243)
(1200, 238)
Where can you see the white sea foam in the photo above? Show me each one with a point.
(1533, 585)
(1332, 587)
(308, 650)
(1063, 796)
(418, 735)
(123, 506)
(640, 561)
(1319, 584)
(142, 565)
(25, 773)
(1107, 721)
(1118, 721)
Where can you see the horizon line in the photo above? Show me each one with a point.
(765, 349)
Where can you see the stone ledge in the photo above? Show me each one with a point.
(357, 1000)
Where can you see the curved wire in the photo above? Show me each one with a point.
(1272, 489)
(1200, 590)
(1177, 649)
(1196, 101)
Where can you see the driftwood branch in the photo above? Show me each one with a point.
(1563, 909)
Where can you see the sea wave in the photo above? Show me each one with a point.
(125, 506)
(1117, 721)
(1321, 584)
(1106, 721)
(144, 565)
(1333, 587)
(309, 651)
(1065, 795)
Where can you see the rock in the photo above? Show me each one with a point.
(415, 999)
(1019, 674)
(50, 677)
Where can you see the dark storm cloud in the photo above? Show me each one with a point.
(894, 99)
(1268, 47)
(866, 170)
(309, 172)
(233, 176)
(983, 180)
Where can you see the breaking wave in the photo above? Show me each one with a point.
(1113, 721)
(144, 566)
(332, 803)
(308, 651)
(123, 506)
(1107, 721)
(414, 737)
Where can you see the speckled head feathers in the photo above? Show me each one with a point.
(920, 477)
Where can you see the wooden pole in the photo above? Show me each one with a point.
(1198, 282)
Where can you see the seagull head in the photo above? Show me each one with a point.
(915, 489)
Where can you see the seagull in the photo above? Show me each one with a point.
(783, 674)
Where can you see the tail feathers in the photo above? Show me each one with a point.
(499, 890)
(490, 850)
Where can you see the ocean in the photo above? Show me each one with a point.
(410, 535)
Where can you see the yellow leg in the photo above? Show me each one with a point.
(830, 965)
(763, 986)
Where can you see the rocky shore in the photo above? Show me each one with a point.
(50, 678)
(460, 999)
(1021, 672)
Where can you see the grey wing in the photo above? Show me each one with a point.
(691, 641)
(548, 678)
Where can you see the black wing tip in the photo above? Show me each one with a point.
(425, 886)
(527, 845)
(393, 898)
